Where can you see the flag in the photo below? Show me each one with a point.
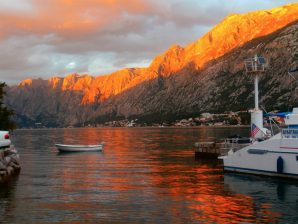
(254, 130)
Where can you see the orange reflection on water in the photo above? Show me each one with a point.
(135, 167)
(208, 199)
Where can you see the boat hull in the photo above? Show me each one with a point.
(79, 148)
(275, 157)
(260, 172)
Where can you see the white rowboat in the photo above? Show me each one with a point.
(79, 148)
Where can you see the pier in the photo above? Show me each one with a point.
(210, 149)
(214, 149)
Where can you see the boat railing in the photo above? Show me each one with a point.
(289, 133)
(237, 143)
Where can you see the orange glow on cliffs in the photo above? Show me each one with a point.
(232, 32)
(236, 30)
(26, 82)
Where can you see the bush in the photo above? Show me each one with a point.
(5, 114)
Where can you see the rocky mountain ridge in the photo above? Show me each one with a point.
(181, 81)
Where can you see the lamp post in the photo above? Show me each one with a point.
(256, 66)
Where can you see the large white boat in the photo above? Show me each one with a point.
(266, 155)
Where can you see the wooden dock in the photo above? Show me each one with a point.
(215, 149)
(210, 150)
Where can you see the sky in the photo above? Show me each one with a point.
(45, 38)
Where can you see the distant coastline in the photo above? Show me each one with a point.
(155, 127)
(229, 119)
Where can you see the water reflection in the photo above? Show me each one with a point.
(7, 198)
(274, 200)
(142, 176)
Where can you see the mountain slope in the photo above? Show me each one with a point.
(221, 86)
(206, 75)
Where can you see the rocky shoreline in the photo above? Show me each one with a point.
(9, 163)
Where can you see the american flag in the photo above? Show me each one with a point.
(254, 130)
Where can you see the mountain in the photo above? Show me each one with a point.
(207, 75)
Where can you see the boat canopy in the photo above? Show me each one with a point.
(280, 114)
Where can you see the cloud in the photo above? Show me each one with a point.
(16, 6)
(56, 37)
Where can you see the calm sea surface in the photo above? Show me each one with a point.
(144, 175)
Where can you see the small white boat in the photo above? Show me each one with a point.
(79, 148)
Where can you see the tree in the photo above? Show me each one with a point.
(5, 114)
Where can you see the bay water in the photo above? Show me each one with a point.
(143, 175)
